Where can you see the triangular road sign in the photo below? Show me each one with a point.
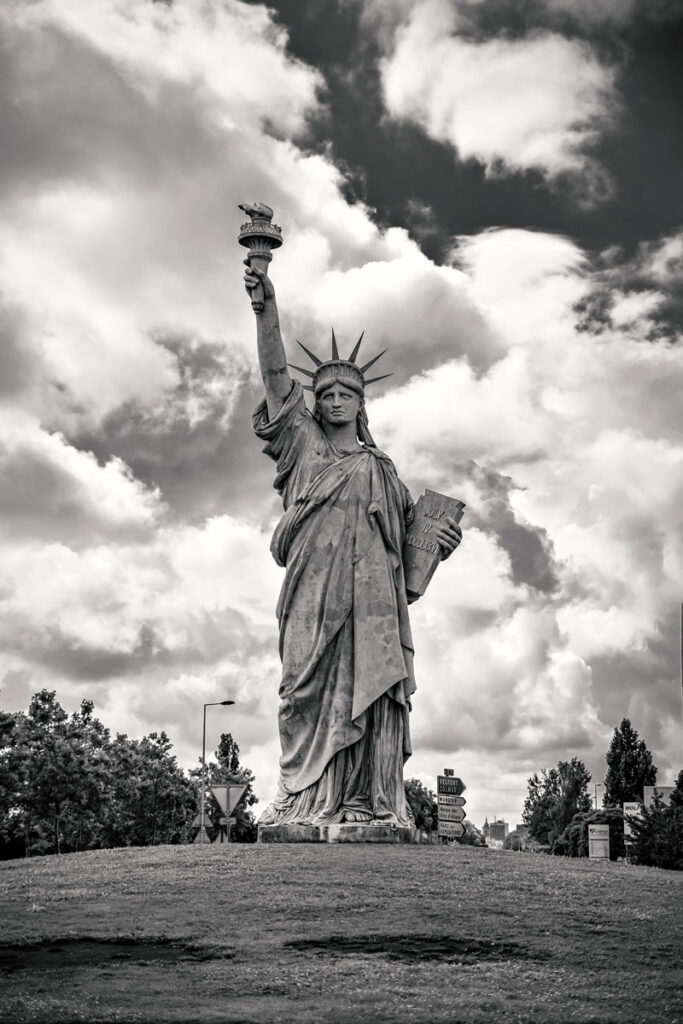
(228, 796)
(235, 794)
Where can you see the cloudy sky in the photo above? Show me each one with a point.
(491, 188)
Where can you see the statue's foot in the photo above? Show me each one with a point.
(268, 816)
(350, 816)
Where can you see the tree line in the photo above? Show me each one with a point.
(558, 807)
(68, 784)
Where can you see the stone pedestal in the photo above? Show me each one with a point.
(358, 833)
(292, 834)
(353, 832)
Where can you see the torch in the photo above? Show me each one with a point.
(259, 236)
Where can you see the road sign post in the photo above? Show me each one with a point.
(450, 804)
(228, 795)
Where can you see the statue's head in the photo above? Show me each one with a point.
(339, 399)
(338, 383)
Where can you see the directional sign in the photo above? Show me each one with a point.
(451, 814)
(448, 800)
(450, 784)
(228, 796)
(451, 829)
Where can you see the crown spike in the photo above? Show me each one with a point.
(307, 387)
(313, 358)
(352, 357)
(372, 361)
(335, 350)
(301, 370)
(373, 380)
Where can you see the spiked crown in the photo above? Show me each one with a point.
(337, 368)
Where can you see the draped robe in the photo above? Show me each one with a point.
(345, 640)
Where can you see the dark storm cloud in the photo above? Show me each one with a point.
(197, 446)
(642, 157)
(214, 636)
(529, 548)
(46, 494)
(41, 89)
(644, 684)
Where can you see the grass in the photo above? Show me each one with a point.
(339, 934)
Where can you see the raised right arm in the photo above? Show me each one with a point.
(271, 351)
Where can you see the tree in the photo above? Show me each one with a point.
(657, 835)
(422, 802)
(152, 801)
(554, 797)
(52, 782)
(227, 769)
(629, 767)
(573, 842)
(472, 836)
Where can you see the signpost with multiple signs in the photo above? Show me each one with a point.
(451, 805)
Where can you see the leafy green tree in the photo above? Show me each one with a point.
(629, 767)
(554, 797)
(657, 835)
(423, 804)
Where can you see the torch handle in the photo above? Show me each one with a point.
(260, 261)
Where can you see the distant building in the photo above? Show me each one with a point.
(663, 792)
(495, 832)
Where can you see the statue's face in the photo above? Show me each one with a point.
(339, 404)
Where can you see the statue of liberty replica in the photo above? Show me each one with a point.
(345, 640)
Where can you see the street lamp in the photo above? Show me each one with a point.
(202, 795)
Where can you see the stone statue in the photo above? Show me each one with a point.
(345, 641)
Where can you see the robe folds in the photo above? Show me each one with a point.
(345, 640)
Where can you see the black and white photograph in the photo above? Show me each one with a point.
(341, 511)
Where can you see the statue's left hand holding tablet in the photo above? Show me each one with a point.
(448, 536)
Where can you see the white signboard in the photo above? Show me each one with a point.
(448, 800)
(631, 810)
(451, 829)
(451, 813)
(598, 842)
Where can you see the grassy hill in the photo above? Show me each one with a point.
(335, 934)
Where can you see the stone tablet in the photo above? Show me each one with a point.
(421, 552)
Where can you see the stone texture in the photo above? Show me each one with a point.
(345, 639)
(292, 834)
(358, 833)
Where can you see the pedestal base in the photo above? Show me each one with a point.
(292, 834)
(353, 832)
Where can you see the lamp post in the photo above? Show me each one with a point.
(202, 795)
